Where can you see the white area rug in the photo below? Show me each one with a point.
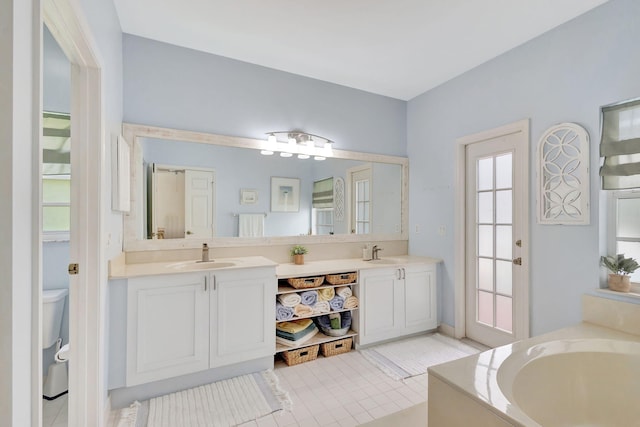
(221, 404)
(412, 356)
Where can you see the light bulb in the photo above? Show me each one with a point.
(328, 149)
(303, 156)
(319, 158)
(266, 152)
(285, 154)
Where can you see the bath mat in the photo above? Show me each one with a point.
(221, 404)
(412, 356)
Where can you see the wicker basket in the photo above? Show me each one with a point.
(341, 279)
(305, 282)
(334, 348)
(300, 355)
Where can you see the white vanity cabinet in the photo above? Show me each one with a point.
(184, 323)
(167, 326)
(242, 313)
(396, 301)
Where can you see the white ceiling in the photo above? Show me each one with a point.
(397, 48)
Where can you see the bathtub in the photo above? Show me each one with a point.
(586, 376)
(574, 382)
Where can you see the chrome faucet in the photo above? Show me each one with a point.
(374, 252)
(205, 253)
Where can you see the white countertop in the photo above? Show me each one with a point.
(313, 268)
(476, 375)
(123, 271)
(119, 270)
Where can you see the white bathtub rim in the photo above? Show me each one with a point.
(509, 367)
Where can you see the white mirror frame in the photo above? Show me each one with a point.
(134, 220)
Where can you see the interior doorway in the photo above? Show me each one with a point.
(492, 292)
(86, 402)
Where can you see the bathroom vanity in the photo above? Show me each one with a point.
(177, 324)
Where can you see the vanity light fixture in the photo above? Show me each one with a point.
(304, 145)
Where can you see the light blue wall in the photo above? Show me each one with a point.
(174, 87)
(564, 75)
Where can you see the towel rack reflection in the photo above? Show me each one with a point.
(251, 213)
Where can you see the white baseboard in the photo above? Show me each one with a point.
(447, 330)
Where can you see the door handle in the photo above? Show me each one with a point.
(518, 261)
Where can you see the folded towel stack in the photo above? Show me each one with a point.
(326, 294)
(337, 303)
(283, 312)
(302, 310)
(344, 291)
(295, 332)
(350, 302)
(321, 307)
(290, 300)
(294, 327)
(309, 297)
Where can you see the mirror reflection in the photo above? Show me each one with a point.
(196, 190)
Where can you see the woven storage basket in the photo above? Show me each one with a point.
(305, 282)
(300, 355)
(334, 348)
(341, 279)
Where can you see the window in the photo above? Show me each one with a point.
(322, 212)
(56, 176)
(624, 228)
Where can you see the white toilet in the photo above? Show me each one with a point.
(56, 383)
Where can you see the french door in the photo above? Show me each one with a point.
(495, 223)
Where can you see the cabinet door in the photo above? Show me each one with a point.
(381, 302)
(242, 316)
(167, 327)
(420, 299)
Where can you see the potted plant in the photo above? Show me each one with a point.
(297, 252)
(621, 268)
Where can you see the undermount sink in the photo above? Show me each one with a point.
(200, 265)
(385, 261)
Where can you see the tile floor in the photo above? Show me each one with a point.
(338, 391)
(341, 391)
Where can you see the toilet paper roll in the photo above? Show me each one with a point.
(62, 355)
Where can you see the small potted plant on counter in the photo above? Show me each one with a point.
(297, 252)
(621, 268)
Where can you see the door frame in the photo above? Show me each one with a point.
(460, 232)
(87, 290)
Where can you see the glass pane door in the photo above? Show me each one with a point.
(494, 237)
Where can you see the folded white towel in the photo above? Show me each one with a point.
(321, 307)
(344, 291)
(289, 300)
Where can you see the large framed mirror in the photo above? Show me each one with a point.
(192, 187)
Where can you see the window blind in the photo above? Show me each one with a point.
(620, 146)
(323, 193)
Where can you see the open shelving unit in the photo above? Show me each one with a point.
(320, 337)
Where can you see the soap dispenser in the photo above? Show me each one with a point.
(366, 253)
